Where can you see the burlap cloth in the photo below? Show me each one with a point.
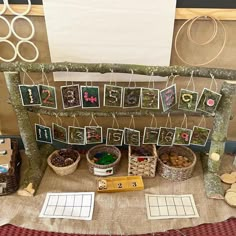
(114, 213)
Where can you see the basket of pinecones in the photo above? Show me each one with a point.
(64, 161)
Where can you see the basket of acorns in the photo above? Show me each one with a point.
(64, 161)
(176, 163)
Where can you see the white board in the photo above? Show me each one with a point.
(106, 31)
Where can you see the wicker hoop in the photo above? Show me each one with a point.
(103, 148)
(174, 173)
(65, 170)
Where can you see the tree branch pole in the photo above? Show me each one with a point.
(219, 73)
(34, 173)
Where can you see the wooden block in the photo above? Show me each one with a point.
(228, 178)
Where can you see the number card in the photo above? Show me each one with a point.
(112, 96)
(93, 134)
(187, 100)
(166, 136)
(48, 96)
(208, 101)
(131, 97)
(150, 135)
(43, 133)
(114, 137)
(90, 96)
(29, 95)
(76, 135)
(132, 137)
(70, 96)
(182, 136)
(168, 97)
(59, 133)
(149, 98)
(200, 136)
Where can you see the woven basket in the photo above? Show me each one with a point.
(103, 170)
(66, 170)
(174, 173)
(143, 165)
(10, 180)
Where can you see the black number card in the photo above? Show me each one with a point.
(149, 98)
(168, 97)
(166, 136)
(70, 96)
(114, 137)
(76, 135)
(131, 97)
(93, 134)
(188, 100)
(90, 96)
(43, 134)
(182, 136)
(112, 96)
(199, 136)
(59, 133)
(48, 96)
(132, 137)
(150, 135)
(29, 95)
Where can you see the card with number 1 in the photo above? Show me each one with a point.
(29, 95)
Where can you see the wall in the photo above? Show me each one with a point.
(193, 54)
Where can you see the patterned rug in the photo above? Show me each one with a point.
(225, 228)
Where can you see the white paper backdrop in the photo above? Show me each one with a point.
(109, 31)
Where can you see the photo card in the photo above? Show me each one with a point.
(93, 134)
(70, 96)
(43, 133)
(149, 98)
(182, 136)
(29, 95)
(112, 95)
(59, 133)
(168, 97)
(188, 100)
(150, 135)
(200, 136)
(114, 137)
(208, 101)
(166, 136)
(48, 96)
(131, 137)
(131, 97)
(76, 135)
(90, 96)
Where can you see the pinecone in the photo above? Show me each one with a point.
(58, 161)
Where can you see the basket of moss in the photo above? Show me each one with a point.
(103, 160)
(64, 161)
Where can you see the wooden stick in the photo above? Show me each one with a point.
(219, 73)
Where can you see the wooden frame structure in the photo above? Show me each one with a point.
(37, 160)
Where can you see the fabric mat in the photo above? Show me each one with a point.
(114, 213)
(226, 228)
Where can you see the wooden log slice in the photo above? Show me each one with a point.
(233, 173)
(228, 178)
(230, 198)
(233, 186)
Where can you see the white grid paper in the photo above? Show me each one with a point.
(170, 206)
(68, 205)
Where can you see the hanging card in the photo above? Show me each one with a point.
(112, 96)
(168, 97)
(48, 96)
(149, 98)
(59, 133)
(188, 100)
(76, 135)
(208, 101)
(93, 134)
(131, 137)
(131, 97)
(166, 136)
(29, 95)
(90, 96)
(150, 135)
(200, 136)
(43, 133)
(70, 96)
(182, 136)
(114, 137)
